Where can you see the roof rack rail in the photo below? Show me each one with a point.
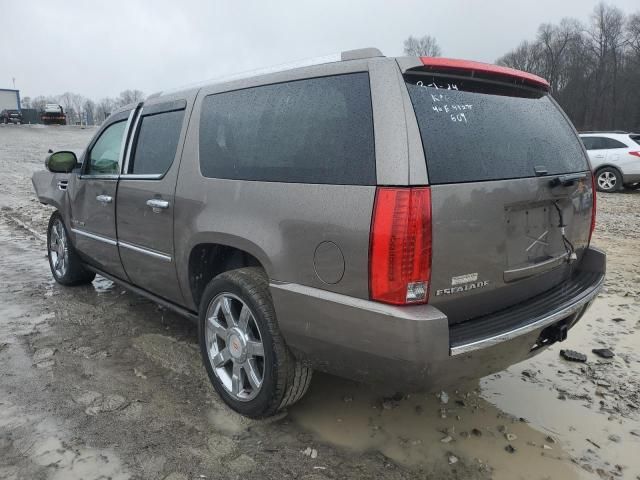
(603, 131)
(347, 55)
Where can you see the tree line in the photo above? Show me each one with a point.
(83, 110)
(593, 68)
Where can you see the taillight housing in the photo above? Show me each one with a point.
(635, 154)
(593, 209)
(400, 246)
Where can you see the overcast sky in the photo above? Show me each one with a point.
(98, 49)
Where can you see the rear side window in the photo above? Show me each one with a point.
(601, 143)
(318, 130)
(478, 131)
(156, 143)
(635, 138)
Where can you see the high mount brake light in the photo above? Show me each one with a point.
(400, 246)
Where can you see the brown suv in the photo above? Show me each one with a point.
(410, 220)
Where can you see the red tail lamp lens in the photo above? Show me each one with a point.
(400, 249)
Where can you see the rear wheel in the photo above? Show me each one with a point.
(244, 353)
(608, 179)
(65, 264)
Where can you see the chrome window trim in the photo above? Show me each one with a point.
(125, 166)
(93, 236)
(141, 176)
(146, 251)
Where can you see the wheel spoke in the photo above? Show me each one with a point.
(226, 311)
(252, 374)
(236, 379)
(243, 320)
(218, 329)
(220, 358)
(255, 348)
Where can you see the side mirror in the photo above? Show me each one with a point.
(61, 162)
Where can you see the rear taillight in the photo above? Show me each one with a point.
(400, 247)
(593, 209)
(635, 154)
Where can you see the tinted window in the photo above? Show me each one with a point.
(590, 143)
(611, 143)
(310, 131)
(156, 143)
(105, 153)
(474, 131)
(635, 138)
(601, 143)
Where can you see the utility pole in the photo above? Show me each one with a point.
(14, 82)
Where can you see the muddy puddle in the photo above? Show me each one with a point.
(525, 407)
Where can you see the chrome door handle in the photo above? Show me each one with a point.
(62, 184)
(104, 199)
(157, 204)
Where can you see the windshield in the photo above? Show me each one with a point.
(475, 131)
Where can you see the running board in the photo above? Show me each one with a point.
(183, 312)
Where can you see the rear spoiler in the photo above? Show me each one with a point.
(471, 68)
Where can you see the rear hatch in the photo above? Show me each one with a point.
(511, 189)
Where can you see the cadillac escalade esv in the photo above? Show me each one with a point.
(416, 221)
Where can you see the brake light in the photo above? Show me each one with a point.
(593, 208)
(400, 246)
(635, 154)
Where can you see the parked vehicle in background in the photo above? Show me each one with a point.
(53, 114)
(615, 158)
(11, 116)
(412, 221)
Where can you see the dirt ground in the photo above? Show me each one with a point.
(98, 383)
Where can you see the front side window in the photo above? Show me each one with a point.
(156, 143)
(318, 130)
(104, 157)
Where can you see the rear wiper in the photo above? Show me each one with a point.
(567, 180)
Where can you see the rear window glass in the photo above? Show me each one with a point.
(318, 130)
(156, 143)
(476, 131)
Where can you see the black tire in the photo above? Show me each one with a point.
(74, 272)
(608, 179)
(285, 379)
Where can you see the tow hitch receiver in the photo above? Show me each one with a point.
(552, 334)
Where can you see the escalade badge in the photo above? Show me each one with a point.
(462, 288)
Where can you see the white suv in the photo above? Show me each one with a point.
(615, 157)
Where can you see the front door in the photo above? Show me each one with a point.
(146, 198)
(93, 198)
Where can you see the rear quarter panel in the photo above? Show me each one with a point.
(282, 224)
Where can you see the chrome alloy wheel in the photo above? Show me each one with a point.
(58, 249)
(234, 346)
(607, 180)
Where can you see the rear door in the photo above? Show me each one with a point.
(596, 149)
(92, 197)
(145, 200)
(508, 176)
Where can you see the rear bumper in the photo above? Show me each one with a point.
(414, 347)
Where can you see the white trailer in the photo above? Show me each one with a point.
(9, 99)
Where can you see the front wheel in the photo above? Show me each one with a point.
(244, 353)
(608, 180)
(66, 266)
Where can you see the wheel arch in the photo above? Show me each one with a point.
(208, 259)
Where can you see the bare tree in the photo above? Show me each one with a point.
(89, 108)
(104, 108)
(130, 96)
(426, 46)
(594, 70)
